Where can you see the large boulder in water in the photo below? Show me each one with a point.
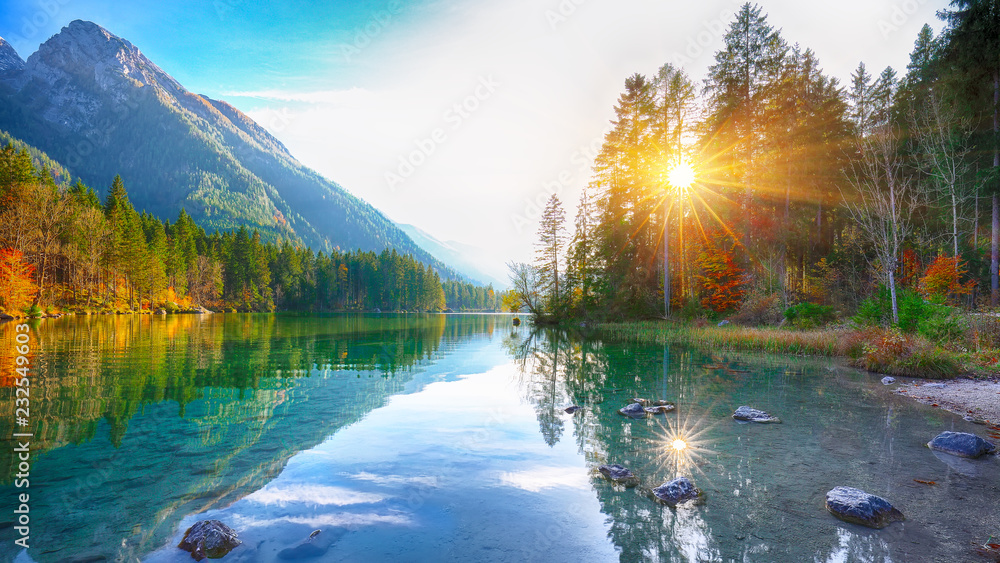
(619, 475)
(677, 491)
(858, 507)
(634, 410)
(961, 444)
(209, 538)
(747, 414)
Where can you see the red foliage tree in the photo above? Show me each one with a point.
(16, 286)
(722, 281)
(943, 279)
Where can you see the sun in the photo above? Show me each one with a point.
(681, 175)
(679, 444)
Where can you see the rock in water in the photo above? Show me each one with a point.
(573, 409)
(961, 444)
(677, 491)
(209, 538)
(318, 543)
(888, 380)
(748, 414)
(660, 409)
(634, 410)
(858, 507)
(641, 401)
(619, 475)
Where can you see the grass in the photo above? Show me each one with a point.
(874, 349)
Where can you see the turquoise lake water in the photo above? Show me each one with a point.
(443, 438)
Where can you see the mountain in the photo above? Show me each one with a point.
(94, 102)
(10, 61)
(455, 254)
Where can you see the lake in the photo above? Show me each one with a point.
(444, 438)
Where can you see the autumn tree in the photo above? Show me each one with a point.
(16, 286)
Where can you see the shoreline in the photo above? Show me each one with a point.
(977, 399)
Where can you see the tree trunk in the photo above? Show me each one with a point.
(995, 254)
(666, 258)
(892, 295)
(995, 243)
(954, 221)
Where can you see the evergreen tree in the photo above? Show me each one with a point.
(551, 238)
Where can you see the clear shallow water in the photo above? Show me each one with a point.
(441, 438)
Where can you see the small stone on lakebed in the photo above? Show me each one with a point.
(887, 380)
(209, 538)
(961, 444)
(619, 475)
(748, 414)
(675, 492)
(858, 507)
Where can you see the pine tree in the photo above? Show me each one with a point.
(973, 45)
(551, 238)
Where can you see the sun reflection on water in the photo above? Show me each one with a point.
(681, 445)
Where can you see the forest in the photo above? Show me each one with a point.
(784, 195)
(62, 248)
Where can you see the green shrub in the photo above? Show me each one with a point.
(34, 311)
(942, 324)
(809, 315)
(877, 309)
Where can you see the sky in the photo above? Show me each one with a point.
(460, 117)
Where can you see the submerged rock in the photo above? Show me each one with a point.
(961, 444)
(209, 538)
(634, 410)
(318, 543)
(619, 475)
(643, 402)
(573, 409)
(660, 409)
(748, 414)
(677, 491)
(887, 380)
(858, 507)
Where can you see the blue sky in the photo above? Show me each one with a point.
(457, 116)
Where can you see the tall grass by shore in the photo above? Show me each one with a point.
(874, 349)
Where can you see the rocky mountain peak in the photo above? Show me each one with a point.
(9, 59)
(85, 49)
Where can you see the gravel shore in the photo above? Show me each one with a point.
(979, 399)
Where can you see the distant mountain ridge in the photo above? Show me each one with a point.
(92, 101)
(454, 254)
